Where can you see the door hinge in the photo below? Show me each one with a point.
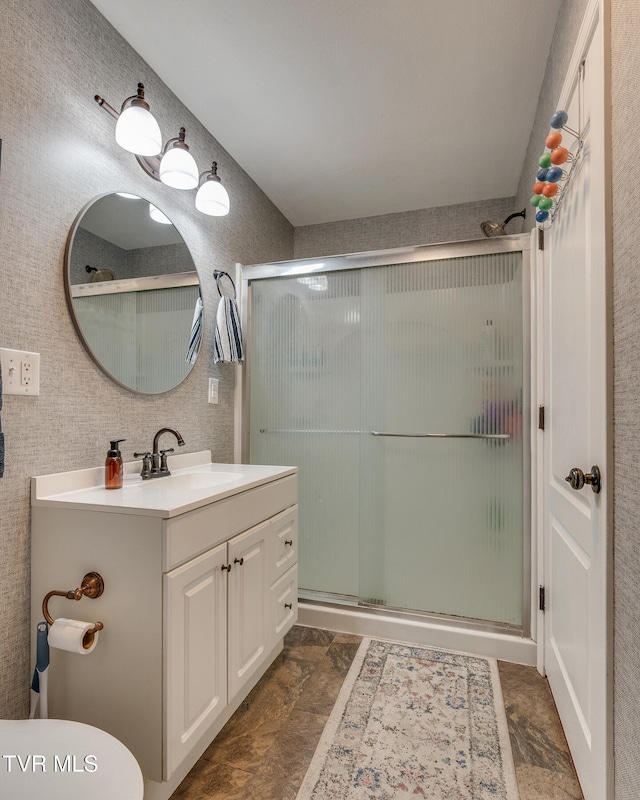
(540, 418)
(541, 594)
(540, 239)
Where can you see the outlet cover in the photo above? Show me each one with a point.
(20, 372)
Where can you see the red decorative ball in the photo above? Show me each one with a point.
(559, 155)
(538, 186)
(550, 190)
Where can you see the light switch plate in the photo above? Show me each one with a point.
(213, 390)
(20, 372)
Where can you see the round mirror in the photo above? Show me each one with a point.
(133, 293)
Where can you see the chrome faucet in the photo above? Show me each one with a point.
(154, 464)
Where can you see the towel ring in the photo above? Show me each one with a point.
(217, 274)
(92, 586)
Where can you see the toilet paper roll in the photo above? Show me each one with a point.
(73, 635)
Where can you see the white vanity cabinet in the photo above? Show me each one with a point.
(225, 612)
(198, 597)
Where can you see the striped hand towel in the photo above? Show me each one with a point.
(196, 333)
(227, 344)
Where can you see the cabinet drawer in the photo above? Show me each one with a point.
(197, 531)
(284, 543)
(284, 603)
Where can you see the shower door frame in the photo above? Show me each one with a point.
(405, 255)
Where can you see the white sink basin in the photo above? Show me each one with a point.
(191, 480)
(194, 482)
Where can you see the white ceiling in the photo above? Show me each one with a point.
(126, 223)
(340, 109)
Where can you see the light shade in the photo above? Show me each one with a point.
(178, 168)
(212, 198)
(158, 216)
(138, 132)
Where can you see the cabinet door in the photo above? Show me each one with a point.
(195, 598)
(284, 604)
(248, 598)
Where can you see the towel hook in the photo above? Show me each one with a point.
(92, 586)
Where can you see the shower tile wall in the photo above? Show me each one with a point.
(139, 262)
(425, 226)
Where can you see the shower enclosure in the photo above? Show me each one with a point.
(397, 382)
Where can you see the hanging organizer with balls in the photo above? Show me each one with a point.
(556, 167)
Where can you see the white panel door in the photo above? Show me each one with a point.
(575, 519)
(195, 651)
(248, 605)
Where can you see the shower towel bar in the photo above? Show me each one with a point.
(501, 436)
(445, 435)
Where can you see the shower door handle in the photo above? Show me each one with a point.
(577, 479)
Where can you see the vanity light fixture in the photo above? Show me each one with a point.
(178, 167)
(138, 132)
(212, 197)
(136, 129)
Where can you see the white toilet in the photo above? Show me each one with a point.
(55, 759)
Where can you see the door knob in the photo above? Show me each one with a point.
(577, 479)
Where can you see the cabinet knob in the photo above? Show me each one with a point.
(226, 566)
(289, 542)
(288, 605)
(238, 561)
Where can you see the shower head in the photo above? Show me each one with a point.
(100, 274)
(497, 228)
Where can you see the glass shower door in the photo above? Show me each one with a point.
(442, 468)
(398, 390)
(305, 411)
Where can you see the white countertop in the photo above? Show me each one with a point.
(194, 482)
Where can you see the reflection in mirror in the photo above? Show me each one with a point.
(133, 293)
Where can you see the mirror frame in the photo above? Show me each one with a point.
(74, 318)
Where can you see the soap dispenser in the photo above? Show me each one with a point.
(113, 466)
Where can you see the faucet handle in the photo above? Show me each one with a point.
(145, 472)
(164, 469)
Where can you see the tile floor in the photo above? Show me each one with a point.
(265, 748)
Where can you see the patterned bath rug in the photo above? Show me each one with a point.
(414, 721)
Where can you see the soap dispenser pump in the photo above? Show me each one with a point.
(113, 466)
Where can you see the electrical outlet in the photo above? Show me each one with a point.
(26, 371)
(20, 372)
(213, 390)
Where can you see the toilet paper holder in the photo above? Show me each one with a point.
(92, 586)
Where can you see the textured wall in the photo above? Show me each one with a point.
(625, 77)
(443, 224)
(144, 261)
(58, 152)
